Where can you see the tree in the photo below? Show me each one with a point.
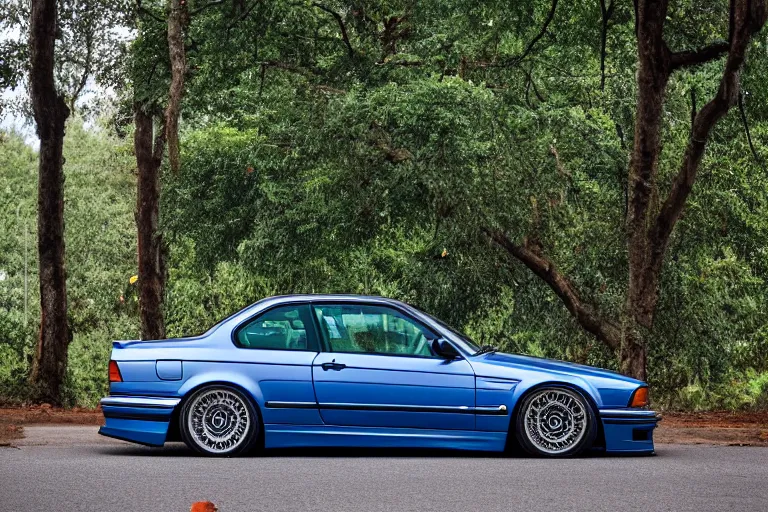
(364, 106)
(90, 48)
(649, 229)
(70, 44)
(149, 147)
(50, 112)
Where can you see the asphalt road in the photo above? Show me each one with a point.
(72, 469)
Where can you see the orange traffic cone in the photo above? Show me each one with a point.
(203, 506)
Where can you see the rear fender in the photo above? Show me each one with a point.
(241, 383)
(244, 383)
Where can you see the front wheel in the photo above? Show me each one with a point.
(555, 422)
(219, 421)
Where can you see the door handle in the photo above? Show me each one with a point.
(333, 366)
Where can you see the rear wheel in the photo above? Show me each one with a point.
(555, 422)
(219, 421)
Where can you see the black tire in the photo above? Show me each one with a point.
(553, 413)
(219, 409)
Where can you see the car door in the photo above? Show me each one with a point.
(377, 369)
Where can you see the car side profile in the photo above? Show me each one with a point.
(356, 371)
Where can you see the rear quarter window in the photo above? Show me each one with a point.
(286, 327)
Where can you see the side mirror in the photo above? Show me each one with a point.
(444, 349)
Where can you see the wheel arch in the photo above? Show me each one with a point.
(240, 381)
(188, 393)
(513, 444)
(194, 384)
(239, 387)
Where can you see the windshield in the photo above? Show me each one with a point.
(469, 344)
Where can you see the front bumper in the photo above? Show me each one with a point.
(138, 419)
(629, 430)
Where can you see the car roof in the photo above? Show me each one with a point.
(335, 297)
(308, 297)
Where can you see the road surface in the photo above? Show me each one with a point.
(67, 469)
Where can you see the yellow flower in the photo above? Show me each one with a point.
(133, 279)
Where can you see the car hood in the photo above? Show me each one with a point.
(495, 363)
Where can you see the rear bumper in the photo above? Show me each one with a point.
(138, 419)
(629, 430)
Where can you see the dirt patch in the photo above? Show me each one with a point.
(13, 419)
(46, 414)
(716, 427)
(9, 432)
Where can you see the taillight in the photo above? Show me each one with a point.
(114, 372)
(639, 398)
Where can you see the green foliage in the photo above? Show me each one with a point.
(374, 172)
(311, 163)
(99, 194)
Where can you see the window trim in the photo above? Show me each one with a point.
(298, 304)
(326, 348)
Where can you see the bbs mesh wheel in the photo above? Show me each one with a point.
(555, 422)
(219, 421)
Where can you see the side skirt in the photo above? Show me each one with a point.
(292, 436)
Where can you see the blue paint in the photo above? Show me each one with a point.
(168, 370)
(438, 400)
(151, 433)
(291, 436)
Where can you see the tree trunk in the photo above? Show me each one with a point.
(50, 112)
(652, 77)
(178, 20)
(633, 353)
(149, 152)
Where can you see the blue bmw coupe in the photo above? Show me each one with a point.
(354, 371)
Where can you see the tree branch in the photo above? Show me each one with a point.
(206, 6)
(530, 82)
(606, 13)
(86, 70)
(513, 61)
(690, 58)
(143, 10)
(342, 26)
(748, 17)
(584, 313)
(178, 19)
(244, 15)
(744, 121)
(547, 21)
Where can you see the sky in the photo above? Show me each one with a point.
(10, 120)
(13, 121)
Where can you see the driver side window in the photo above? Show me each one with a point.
(372, 330)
